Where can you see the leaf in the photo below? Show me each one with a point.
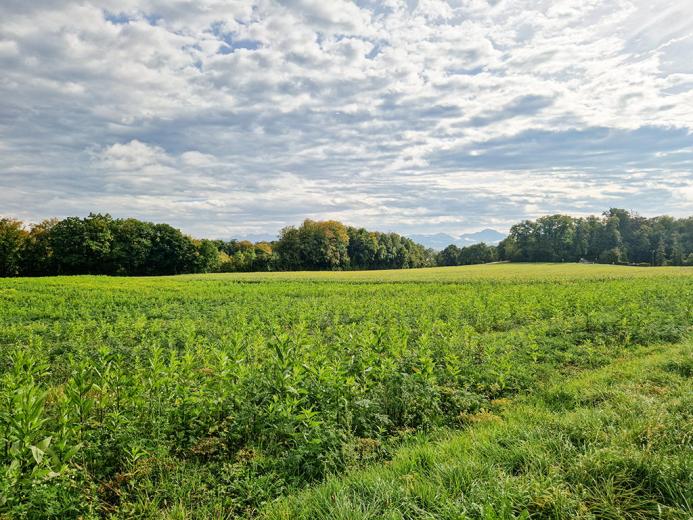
(37, 453)
(43, 445)
(15, 448)
(72, 451)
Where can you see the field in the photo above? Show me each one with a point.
(471, 273)
(349, 395)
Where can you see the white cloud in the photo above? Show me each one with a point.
(223, 116)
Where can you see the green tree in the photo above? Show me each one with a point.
(206, 256)
(524, 236)
(676, 250)
(264, 257)
(82, 245)
(610, 244)
(171, 252)
(362, 249)
(38, 257)
(477, 254)
(507, 249)
(323, 245)
(554, 238)
(640, 246)
(660, 253)
(288, 249)
(12, 240)
(131, 246)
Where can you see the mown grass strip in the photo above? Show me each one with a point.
(615, 442)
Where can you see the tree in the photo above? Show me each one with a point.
(206, 256)
(611, 256)
(660, 253)
(554, 238)
(100, 245)
(384, 257)
(82, 246)
(171, 252)
(507, 249)
(12, 239)
(324, 245)
(288, 249)
(611, 245)
(418, 255)
(524, 237)
(640, 245)
(38, 257)
(362, 249)
(264, 257)
(629, 225)
(676, 250)
(477, 254)
(131, 246)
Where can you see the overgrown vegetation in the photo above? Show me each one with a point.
(208, 396)
(613, 443)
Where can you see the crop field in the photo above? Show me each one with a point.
(471, 273)
(349, 395)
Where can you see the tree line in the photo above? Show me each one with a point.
(324, 245)
(100, 244)
(616, 237)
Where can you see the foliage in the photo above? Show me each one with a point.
(330, 245)
(469, 255)
(611, 443)
(99, 244)
(618, 237)
(12, 237)
(210, 396)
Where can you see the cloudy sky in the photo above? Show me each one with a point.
(228, 118)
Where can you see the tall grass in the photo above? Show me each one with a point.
(212, 396)
(614, 443)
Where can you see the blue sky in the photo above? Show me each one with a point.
(232, 118)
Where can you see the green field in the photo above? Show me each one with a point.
(469, 273)
(349, 395)
(611, 443)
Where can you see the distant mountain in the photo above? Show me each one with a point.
(438, 241)
(262, 237)
(442, 240)
(490, 236)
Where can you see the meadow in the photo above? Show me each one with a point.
(237, 395)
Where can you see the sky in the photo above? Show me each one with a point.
(236, 118)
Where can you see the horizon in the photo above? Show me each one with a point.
(420, 117)
(272, 236)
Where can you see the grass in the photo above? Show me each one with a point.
(517, 272)
(213, 396)
(611, 443)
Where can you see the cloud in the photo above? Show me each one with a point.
(232, 117)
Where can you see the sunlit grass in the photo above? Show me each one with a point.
(498, 271)
(612, 443)
(211, 396)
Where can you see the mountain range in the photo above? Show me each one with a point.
(440, 241)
